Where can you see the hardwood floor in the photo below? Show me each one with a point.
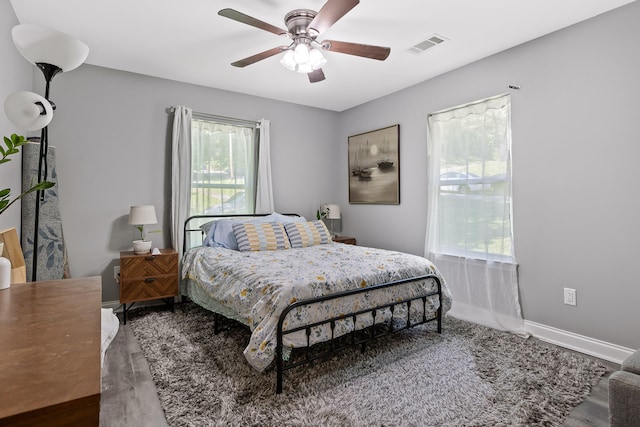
(594, 411)
(129, 395)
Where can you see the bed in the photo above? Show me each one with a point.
(284, 278)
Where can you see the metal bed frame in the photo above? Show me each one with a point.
(356, 336)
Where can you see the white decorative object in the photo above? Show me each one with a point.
(5, 270)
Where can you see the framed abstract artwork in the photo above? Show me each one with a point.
(374, 166)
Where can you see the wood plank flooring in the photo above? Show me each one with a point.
(129, 396)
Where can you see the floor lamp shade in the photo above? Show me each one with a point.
(42, 45)
(28, 110)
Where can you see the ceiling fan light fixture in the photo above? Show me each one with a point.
(288, 62)
(301, 53)
(316, 59)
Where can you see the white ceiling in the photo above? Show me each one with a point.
(189, 42)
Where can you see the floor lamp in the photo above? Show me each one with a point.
(52, 52)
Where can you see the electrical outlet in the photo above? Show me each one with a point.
(116, 273)
(569, 296)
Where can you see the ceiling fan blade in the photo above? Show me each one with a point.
(316, 76)
(259, 57)
(246, 19)
(365, 50)
(330, 13)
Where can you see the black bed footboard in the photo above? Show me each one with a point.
(356, 337)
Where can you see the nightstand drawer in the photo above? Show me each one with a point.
(148, 265)
(147, 288)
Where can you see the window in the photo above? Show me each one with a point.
(473, 175)
(469, 234)
(224, 165)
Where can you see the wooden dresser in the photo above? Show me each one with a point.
(50, 353)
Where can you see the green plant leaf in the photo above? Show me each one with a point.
(12, 148)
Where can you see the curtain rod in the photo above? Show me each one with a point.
(491, 98)
(215, 117)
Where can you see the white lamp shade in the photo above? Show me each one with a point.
(333, 211)
(141, 215)
(28, 110)
(44, 45)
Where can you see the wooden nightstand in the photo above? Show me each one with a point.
(345, 240)
(148, 277)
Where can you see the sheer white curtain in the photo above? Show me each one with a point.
(180, 173)
(469, 229)
(264, 190)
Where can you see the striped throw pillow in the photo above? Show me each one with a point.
(266, 236)
(303, 234)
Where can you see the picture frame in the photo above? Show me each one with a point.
(374, 166)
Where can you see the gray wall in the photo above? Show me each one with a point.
(575, 153)
(15, 75)
(574, 129)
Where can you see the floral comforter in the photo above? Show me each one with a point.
(255, 287)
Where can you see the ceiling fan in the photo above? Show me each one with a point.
(303, 27)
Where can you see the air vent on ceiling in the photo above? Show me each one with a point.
(424, 45)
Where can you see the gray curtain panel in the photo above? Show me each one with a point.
(52, 257)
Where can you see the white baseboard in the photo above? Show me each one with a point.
(591, 346)
(115, 305)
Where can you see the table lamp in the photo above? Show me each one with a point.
(332, 214)
(139, 216)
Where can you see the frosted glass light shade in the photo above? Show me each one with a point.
(301, 53)
(28, 111)
(288, 62)
(333, 211)
(44, 45)
(304, 68)
(141, 215)
(316, 59)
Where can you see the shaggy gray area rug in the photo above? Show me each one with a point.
(467, 376)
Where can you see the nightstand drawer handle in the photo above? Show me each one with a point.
(149, 279)
(150, 258)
